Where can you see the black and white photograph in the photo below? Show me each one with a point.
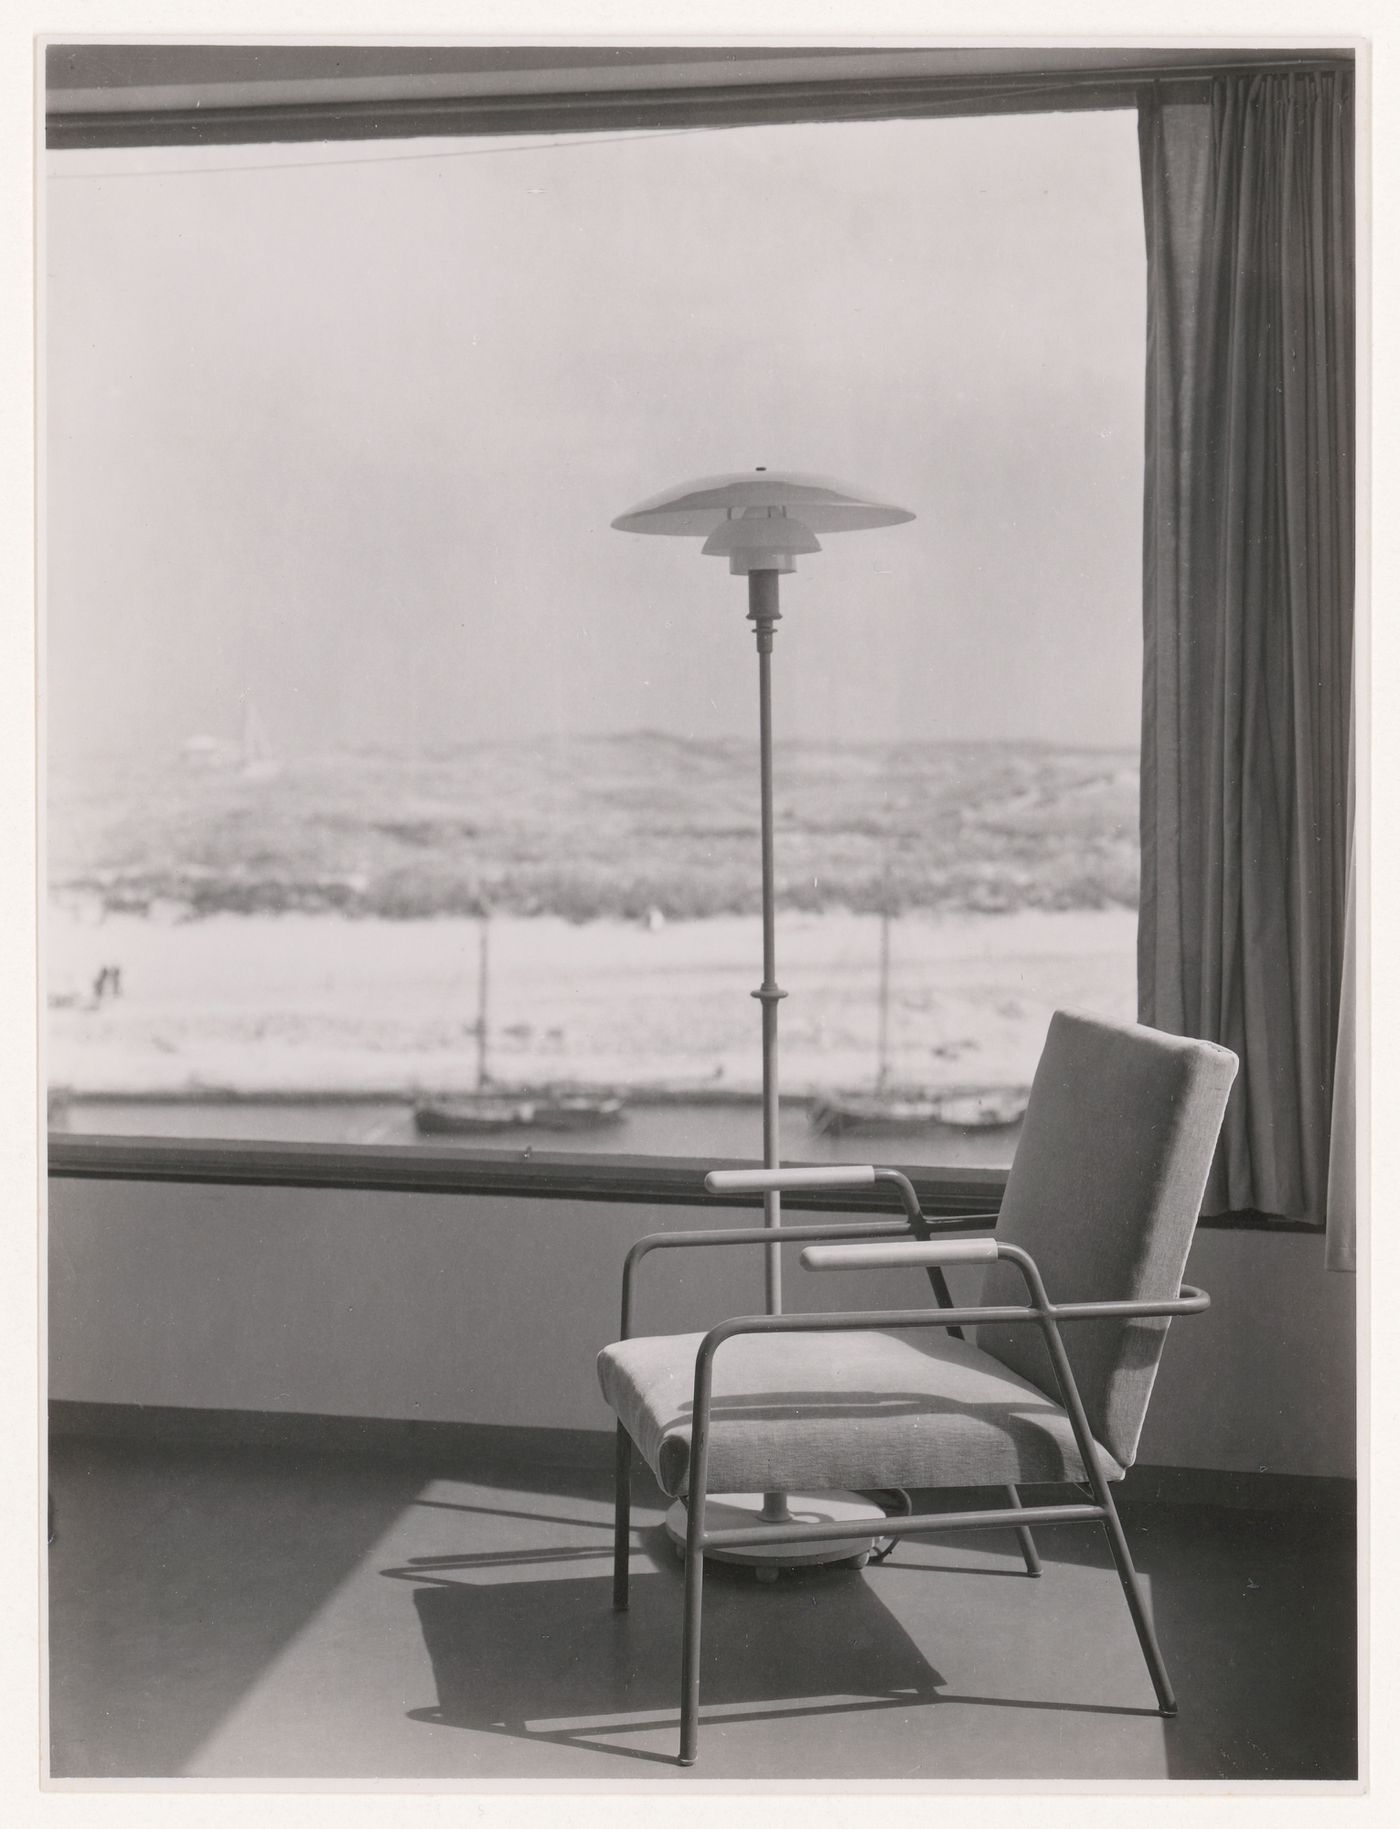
(704, 831)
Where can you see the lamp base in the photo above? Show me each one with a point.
(744, 1510)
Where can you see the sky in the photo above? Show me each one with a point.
(338, 432)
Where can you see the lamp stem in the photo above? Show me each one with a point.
(763, 613)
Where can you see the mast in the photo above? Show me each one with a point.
(255, 752)
(882, 1044)
(882, 1070)
(482, 978)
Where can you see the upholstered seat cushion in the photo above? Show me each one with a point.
(815, 1412)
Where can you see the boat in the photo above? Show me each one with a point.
(886, 1108)
(490, 1108)
(963, 1108)
(478, 1113)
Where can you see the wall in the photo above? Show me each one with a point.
(491, 1310)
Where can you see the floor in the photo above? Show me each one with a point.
(263, 1614)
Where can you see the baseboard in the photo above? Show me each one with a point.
(445, 1444)
(1251, 1491)
(452, 1445)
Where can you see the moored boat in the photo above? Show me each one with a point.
(972, 1108)
(887, 1108)
(477, 1113)
(490, 1107)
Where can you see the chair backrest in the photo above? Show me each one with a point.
(1104, 1194)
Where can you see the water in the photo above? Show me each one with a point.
(721, 1131)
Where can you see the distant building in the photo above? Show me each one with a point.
(251, 756)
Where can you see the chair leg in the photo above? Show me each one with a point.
(1023, 1536)
(622, 1519)
(690, 1638)
(1137, 1606)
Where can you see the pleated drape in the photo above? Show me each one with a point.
(1248, 604)
(1341, 1169)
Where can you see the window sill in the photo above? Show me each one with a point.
(522, 1175)
(528, 1175)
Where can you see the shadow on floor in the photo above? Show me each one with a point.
(1264, 1600)
(231, 1607)
(178, 1574)
(819, 1642)
(594, 1677)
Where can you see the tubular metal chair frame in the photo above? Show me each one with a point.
(1040, 1311)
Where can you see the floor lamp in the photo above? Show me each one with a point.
(761, 521)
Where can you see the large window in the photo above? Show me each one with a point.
(382, 772)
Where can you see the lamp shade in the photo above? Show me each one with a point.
(758, 531)
(819, 503)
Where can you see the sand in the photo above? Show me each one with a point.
(307, 1004)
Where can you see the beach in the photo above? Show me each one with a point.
(306, 1004)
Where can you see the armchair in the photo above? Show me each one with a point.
(1100, 1205)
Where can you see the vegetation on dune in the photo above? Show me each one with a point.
(618, 827)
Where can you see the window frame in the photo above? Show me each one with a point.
(213, 94)
(228, 111)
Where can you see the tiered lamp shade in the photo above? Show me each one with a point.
(759, 519)
(819, 503)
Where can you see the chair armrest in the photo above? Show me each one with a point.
(900, 1255)
(1041, 1311)
(834, 1175)
(763, 1181)
(768, 1235)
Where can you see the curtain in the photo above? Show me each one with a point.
(1341, 1172)
(1248, 593)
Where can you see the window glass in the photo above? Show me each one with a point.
(393, 795)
